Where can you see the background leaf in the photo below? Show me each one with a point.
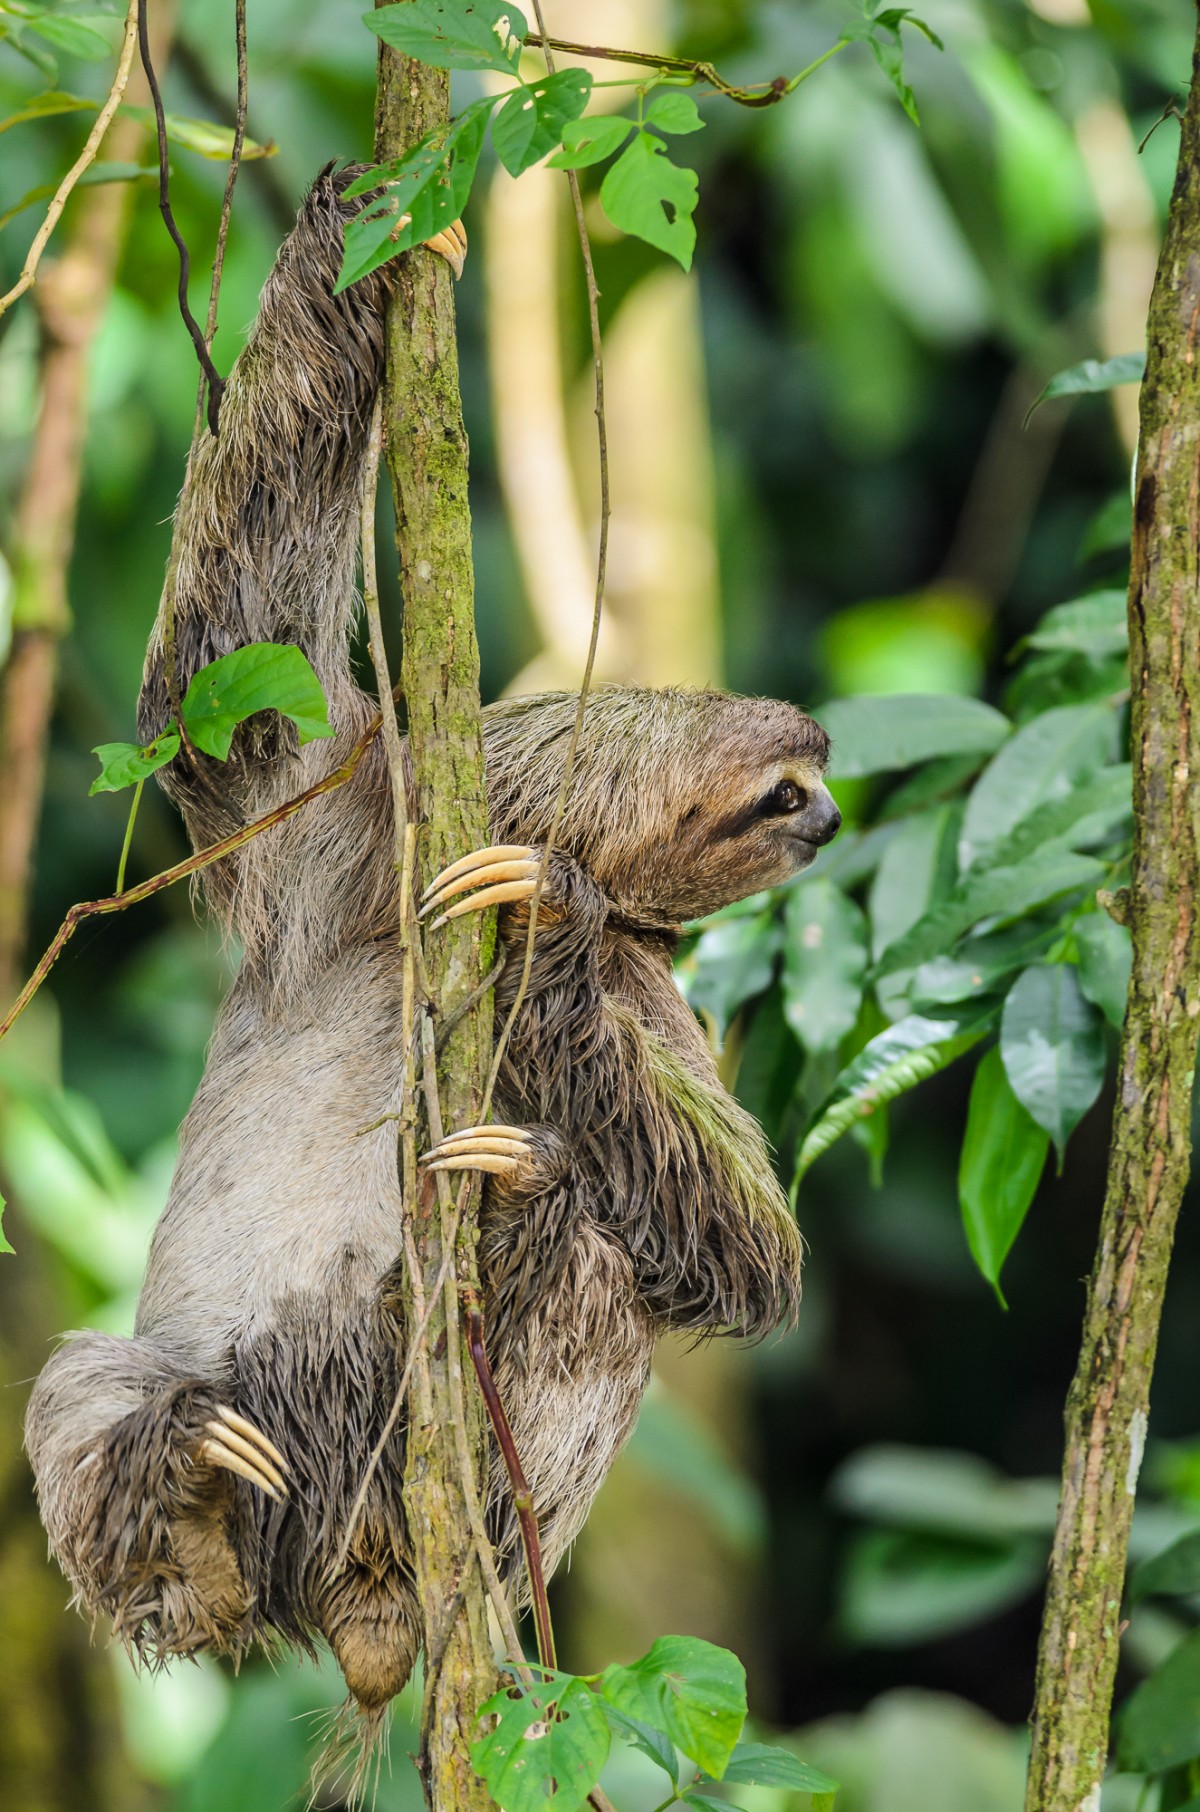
(453, 34)
(1042, 761)
(1003, 1156)
(731, 962)
(1105, 962)
(1092, 375)
(766, 1765)
(1053, 1046)
(1096, 625)
(1176, 1571)
(1159, 1725)
(824, 962)
(897, 730)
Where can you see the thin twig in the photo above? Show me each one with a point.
(560, 804)
(203, 858)
(522, 1496)
(235, 164)
(758, 94)
(216, 382)
(86, 157)
(449, 1232)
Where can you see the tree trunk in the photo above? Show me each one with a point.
(1149, 1159)
(427, 460)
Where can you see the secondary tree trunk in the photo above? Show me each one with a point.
(427, 459)
(1149, 1160)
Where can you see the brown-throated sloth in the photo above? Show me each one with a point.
(196, 1479)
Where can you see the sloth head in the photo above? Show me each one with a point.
(680, 802)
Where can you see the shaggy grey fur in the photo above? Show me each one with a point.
(649, 1200)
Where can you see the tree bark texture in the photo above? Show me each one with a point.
(427, 460)
(1150, 1154)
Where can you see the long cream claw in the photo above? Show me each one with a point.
(522, 870)
(487, 896)
(251, 1433)
(252, 1455)
(495, 1165)
(498, 852)
(216, 1453)
(499, 1150)
(451, 244)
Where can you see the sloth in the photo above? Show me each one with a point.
(196, 1479)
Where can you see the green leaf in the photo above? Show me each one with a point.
(1002, 893)
(1105, 962)
(765, 1765)
(891, 1064)
(262, 676)
(1093, 375)
(4, 1245)
(204, 137)
(43, 106)
(1086, 815)
(650, 1742)
(1159, 1726)
(1003, 1156)
(671, 111)
(590, 141)
(647, 195)
(547, 1747)
(453, 34)
(1175, 1572)
(85, 35)
(824, 963)
(1111, 527)
(124, 764)
(944, 1492)
(1043, 760)
(690, 1689)
(531, 121)
(1054, 1050)
(1096, 626)
(903, 1587)
(430, 184)
(872, 735)
(888, 52)
(731, 962)
(980, 965)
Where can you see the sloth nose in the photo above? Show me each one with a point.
(826, 821)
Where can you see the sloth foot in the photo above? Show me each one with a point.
(450, 244)
(503, 1151)
(237, 1445)
(506, 871)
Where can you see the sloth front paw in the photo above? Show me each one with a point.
(503, 872)
(450, 244)
(522, 1160)
(232, 1443)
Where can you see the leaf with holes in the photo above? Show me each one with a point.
(532, 120)
(124, 764)
(262, 676)
(453, 34)
(692, 1690)
(647, 195)
(891, 1064)
(590, 141)
(824, 962)
(671, 111)
(1054, 1050)
(546, 1749)
(430, 184)
(1003, 1156)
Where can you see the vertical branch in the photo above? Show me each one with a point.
(1150, 1152)
(427, 461)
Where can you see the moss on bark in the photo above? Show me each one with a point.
(1150, 1153)
(427, 460)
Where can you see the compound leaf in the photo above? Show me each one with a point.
(531, 121)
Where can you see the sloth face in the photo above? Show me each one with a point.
(680, 802)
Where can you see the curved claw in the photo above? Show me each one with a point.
(237, 1445)
(499, 1150)
(450, 244)
(216, 1453)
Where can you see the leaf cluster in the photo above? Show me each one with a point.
(543, 1746)
(961, 913)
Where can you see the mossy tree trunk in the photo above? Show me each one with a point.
(427, 459)
(1150, 1155)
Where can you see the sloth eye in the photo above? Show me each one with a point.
(784, 799)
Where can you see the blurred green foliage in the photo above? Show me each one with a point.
(881, 307)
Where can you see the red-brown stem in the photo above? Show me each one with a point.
(203, 858)
(522, 1496)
